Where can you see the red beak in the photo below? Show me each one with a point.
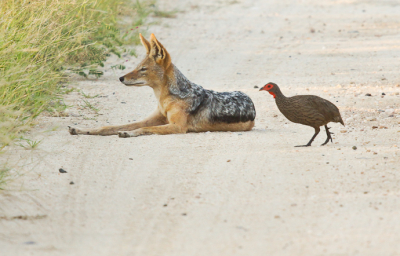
(262, 89)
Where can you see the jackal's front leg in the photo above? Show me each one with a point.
(153, 120)
(177, 123)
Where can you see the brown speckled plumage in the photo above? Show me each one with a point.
(306, 109)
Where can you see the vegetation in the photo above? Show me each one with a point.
(42, 41)
(3, 176)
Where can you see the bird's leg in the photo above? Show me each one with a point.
(329, 135)
(312, 139)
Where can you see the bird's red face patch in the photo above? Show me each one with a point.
(268, 88)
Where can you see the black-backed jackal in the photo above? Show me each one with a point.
(182, 105)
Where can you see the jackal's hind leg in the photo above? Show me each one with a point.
(155, 119)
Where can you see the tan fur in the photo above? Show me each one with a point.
(171, 115)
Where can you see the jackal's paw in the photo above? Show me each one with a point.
(72, 130)
(124, 135)
(128, 134)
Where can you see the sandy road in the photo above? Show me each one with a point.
(249, 193)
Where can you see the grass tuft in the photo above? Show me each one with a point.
(29, 144)
(90, 106)
(4, 174)
(165, 14)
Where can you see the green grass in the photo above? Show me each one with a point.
(165, 14)
(28, 144)
(88, 96)
(3, 176)
(90, 106)
(41, 42)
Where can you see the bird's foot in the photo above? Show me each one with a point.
(327, 140)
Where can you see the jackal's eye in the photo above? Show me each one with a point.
(143, 69)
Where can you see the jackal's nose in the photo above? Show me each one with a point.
(121, 79)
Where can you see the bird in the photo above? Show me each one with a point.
(308, 110)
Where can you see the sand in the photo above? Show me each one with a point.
(226, 193)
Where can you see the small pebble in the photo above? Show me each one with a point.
(61, 170)
(383, 93)
(255, 86)
(354, 147)
(389, 111)
(130, 158)
(368, 94)
(71, 183)
(228, 161)
(374, 127)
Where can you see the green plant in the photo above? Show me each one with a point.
(29, 144)
(165, 14)
(41, 42)
(121, 67)
(3, 176)
(9, 128)
(90, 106)
(87, 96)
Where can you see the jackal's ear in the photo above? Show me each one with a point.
(158, 52)
(145, 43)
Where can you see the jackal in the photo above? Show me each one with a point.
(182, 105)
